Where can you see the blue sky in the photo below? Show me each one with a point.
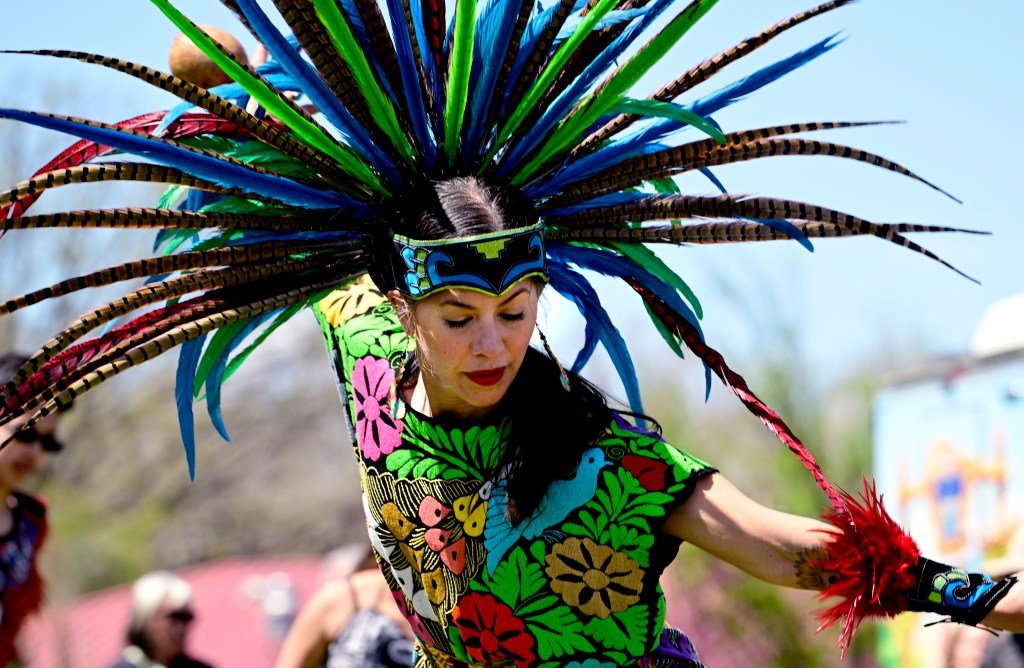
(950, 72)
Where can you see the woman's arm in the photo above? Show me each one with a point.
(770, 545)
(778, 547)
(327, 611)
(1009, 612)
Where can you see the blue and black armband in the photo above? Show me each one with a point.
(966, 598)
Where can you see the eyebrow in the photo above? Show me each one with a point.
(452, 301)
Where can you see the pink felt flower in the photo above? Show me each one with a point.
(378, 432)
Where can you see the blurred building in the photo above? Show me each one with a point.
(949, 458)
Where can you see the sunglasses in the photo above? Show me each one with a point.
(182, 616)
(30, 435)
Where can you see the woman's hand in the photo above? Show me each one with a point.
(770, 545)
(1009, 612)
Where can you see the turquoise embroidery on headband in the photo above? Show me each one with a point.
(490, 262)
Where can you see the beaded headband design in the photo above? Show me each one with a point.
(489, 263)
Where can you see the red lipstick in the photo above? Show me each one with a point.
(487, 377)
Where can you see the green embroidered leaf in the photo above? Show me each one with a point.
(516, 579)
(621, 630)
(458, 649)
(538, 605)
(629, 539)
(558, 633)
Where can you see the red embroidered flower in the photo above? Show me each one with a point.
(491, 633)
(650, 472)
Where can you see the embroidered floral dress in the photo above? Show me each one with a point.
(573, 585)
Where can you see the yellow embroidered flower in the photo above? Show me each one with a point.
(354, 299)
(593, 578)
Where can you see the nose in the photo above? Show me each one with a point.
(488, 341)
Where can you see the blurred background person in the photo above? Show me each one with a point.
(161, 619)
(23, 523)
(350, 622)
(189, 63)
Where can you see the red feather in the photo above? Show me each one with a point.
(874, 561)
(433, 23)
(872, 557)
(82, 151)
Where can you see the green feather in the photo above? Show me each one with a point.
(628, 105)
(671, 339)
(238, 359)
(611, 92)
(552, 70)
(458, 74)
(350, 50)
(306, 130)
(170, 196)
(220, 339)
(646, 258)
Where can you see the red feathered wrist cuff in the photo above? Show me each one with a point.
(872, 562)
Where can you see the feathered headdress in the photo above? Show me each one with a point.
(281, 206)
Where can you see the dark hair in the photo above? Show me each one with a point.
(458, 207)
(10, 363)
(573, 420)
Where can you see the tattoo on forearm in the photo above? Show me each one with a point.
(808, 574)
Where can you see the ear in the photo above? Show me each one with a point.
(402, 309)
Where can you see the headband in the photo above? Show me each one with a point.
(490, 263)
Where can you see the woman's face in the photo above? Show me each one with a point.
(471, 345)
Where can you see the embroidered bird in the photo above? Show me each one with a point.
(561, 498)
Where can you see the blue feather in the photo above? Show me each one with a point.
(608, 263)
(434, 78)
(577, 289)
(215, 378)
(489, 47)
(611, 199)
(411, 80)
(355, 19)
(611, 20)
(312, 86)
(643, 141)
(196, 164)
(738, 90)
(234, 92)
(188, 360)
(563, 104)
(533, 31)
(787, 228)
(706, 171)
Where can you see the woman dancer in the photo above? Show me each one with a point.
(468, 166)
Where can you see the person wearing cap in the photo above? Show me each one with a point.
(161, 619)
(23, 525)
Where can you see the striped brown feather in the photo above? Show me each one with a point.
(304, 23)
(163, 219)
(161, 264)
(114, 171)
(150, 294)
(270, 133)
(54, 396)
(739, 206)
(494, 108)
(708, 153)
(723, 232)
(539, 55)
(704, 71)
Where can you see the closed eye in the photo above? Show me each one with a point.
(456, 324)
(513, 317)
